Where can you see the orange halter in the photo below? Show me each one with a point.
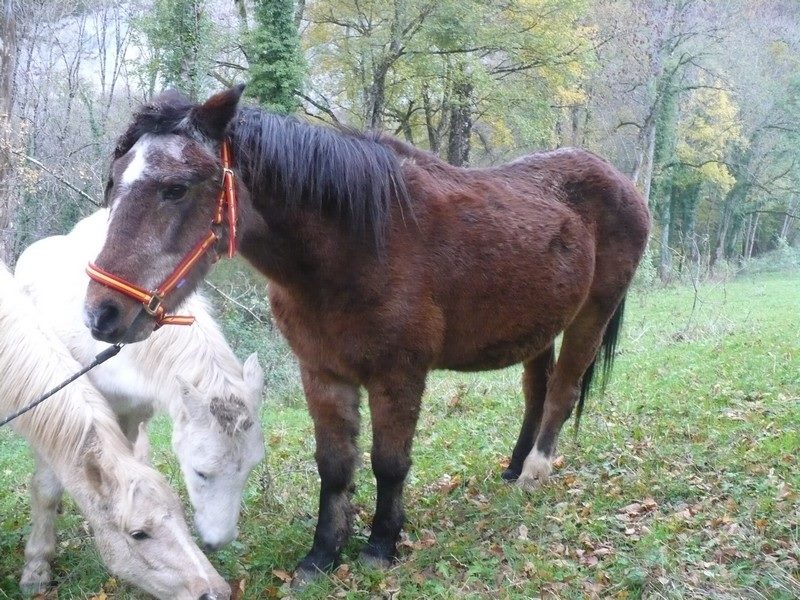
(151, 300)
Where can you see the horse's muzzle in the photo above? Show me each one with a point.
(104, 322)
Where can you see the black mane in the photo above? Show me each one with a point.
(351, 176)
(347, 175)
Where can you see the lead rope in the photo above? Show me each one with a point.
(98, 360)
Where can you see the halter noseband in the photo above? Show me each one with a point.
(152, 299)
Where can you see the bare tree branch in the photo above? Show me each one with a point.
(234, 301)
(58, 177)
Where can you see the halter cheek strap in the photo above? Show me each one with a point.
(152, 299)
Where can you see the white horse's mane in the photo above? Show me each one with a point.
(32, 361)
(198, 354)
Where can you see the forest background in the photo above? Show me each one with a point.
(697, 101)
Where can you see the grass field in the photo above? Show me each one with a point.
(683, 481)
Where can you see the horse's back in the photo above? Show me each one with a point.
(591, 187)
(511, 253)
(613, 208)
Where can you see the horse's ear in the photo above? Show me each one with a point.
(253, 375)
(99, 480)
(212, 117)
(192, 405)
(141, 448)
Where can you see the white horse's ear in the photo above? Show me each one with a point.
(192, 405)
(253, 375)
(141, 448)
(100, 481)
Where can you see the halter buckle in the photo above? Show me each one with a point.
(152, 305)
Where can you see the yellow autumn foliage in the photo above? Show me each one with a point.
(710, 127)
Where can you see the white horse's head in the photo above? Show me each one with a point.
(140, 530)
(218, 441)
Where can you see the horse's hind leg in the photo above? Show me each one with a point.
(46, 491)
(582, 339)
(534, 386)
(394, 407)
(333, 405)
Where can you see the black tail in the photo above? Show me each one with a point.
(606, 352)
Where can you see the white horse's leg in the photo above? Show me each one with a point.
(46, 491)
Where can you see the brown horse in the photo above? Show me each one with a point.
(383, 263)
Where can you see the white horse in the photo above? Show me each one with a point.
(136, 518)
(189, 372)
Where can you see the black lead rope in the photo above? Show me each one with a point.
(98, 360)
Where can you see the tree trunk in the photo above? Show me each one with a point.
(751, 241)
(665, 218)
(458, 146)
(722, 235)
(733, 199)
(432, 131)
(691, 199)
(299, 12)
(376, 97)
(644, 166)
(8, 50)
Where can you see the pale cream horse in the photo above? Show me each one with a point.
(188, 372)
(136, 518)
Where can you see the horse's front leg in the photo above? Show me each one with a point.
(333, 404)
(46, 491)
(394, 404)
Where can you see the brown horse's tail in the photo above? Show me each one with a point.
(606, 353)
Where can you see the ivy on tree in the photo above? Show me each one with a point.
(275, 62)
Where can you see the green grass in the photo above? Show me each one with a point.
(683, 482)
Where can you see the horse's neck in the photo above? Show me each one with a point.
(303, 251)
(313, 199)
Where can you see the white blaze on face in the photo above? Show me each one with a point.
(138, 164)
(190, 550)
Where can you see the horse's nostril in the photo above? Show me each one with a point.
(106, 317)
(212, 547)
(206, 597)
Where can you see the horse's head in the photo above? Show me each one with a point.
(218, 441)
(141, 533)
(163, 187)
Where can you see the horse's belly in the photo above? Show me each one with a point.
(482, 351)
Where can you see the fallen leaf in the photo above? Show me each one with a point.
(342, 571)
(522, 533)
(237, 589)
(282, 575)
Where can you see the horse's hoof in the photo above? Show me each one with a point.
(302, 577)
(510, 474)
(535, 471)
(380, 563)
(36, 578)
(530, 484)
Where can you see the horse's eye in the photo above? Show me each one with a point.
(174, 192)
(201, 475)
(139, 535)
